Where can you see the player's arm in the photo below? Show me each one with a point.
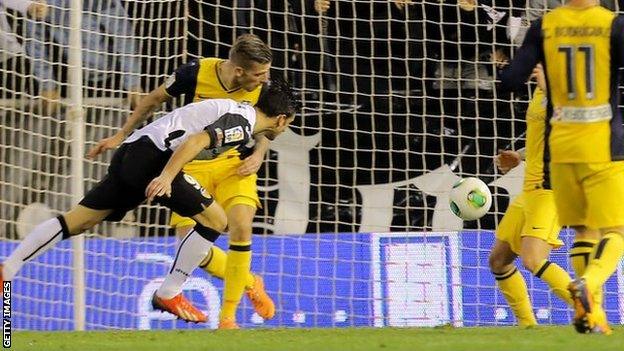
(183, 81)
(186, 152)
(514, 76)
(252, 163)
(617, 40)
(138, 116)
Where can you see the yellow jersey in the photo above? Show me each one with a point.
(536, 175)
(581, 50)
(199, 80)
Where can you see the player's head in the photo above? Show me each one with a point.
(279, 103)
(252, 59)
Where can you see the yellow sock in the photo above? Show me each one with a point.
(214, 264)
(557, 278)
(604, 262)
(236, 273)
(514, 288)
(579, 258)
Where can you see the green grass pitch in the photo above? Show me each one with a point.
(343, 339)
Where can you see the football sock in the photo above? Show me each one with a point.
(236, 273)
(192, 250)
(557, 278)
(42, 238)
(604, 262)
(214, 264)
(580, 254)
(514, 288)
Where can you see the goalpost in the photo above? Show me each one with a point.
(399, 102)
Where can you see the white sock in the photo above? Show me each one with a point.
(192, 250)
(43, 237)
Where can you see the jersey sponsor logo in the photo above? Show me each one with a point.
(169, 82)
(573, 114)
(233, 135)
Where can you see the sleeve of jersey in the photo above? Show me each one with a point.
(617, 40)
(183, 80)
(229, 130)
(516, 74)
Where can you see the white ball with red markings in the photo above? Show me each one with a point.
(470, 199)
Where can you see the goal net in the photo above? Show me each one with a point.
(399, 101)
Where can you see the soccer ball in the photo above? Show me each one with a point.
(470, 199)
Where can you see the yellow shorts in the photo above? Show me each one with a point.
(220, 179)
(589, 194)
(533, 214)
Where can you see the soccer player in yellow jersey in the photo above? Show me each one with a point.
(581, 47)
(231, 179)
(530, 227)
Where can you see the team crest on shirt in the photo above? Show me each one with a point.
(233, 135)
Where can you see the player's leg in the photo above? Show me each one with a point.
(511, 283)
(238, 279)
(45, 235)
(585, 241)
(501, 261)
(540, 235)
(603, 189)
(189, 199)
(240, 199)
(534, 254)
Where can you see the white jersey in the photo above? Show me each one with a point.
(229, 124)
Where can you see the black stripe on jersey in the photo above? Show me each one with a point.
(185, 81)
(617, 61)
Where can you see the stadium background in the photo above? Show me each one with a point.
(393, 99)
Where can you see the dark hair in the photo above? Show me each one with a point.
(249, 48)
(277, 98)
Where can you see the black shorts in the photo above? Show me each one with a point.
(132, 168)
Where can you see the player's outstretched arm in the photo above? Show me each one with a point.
(185, 153)
(138, 116)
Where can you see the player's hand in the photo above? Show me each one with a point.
(159, 186)
(38, 9)
(49, 102)
(507, 159)
(321, 6)
(538, 75)
(251, 164)
(105, 145)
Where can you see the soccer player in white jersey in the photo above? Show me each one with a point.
(149, 166)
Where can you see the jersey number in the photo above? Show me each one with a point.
(570, 53)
